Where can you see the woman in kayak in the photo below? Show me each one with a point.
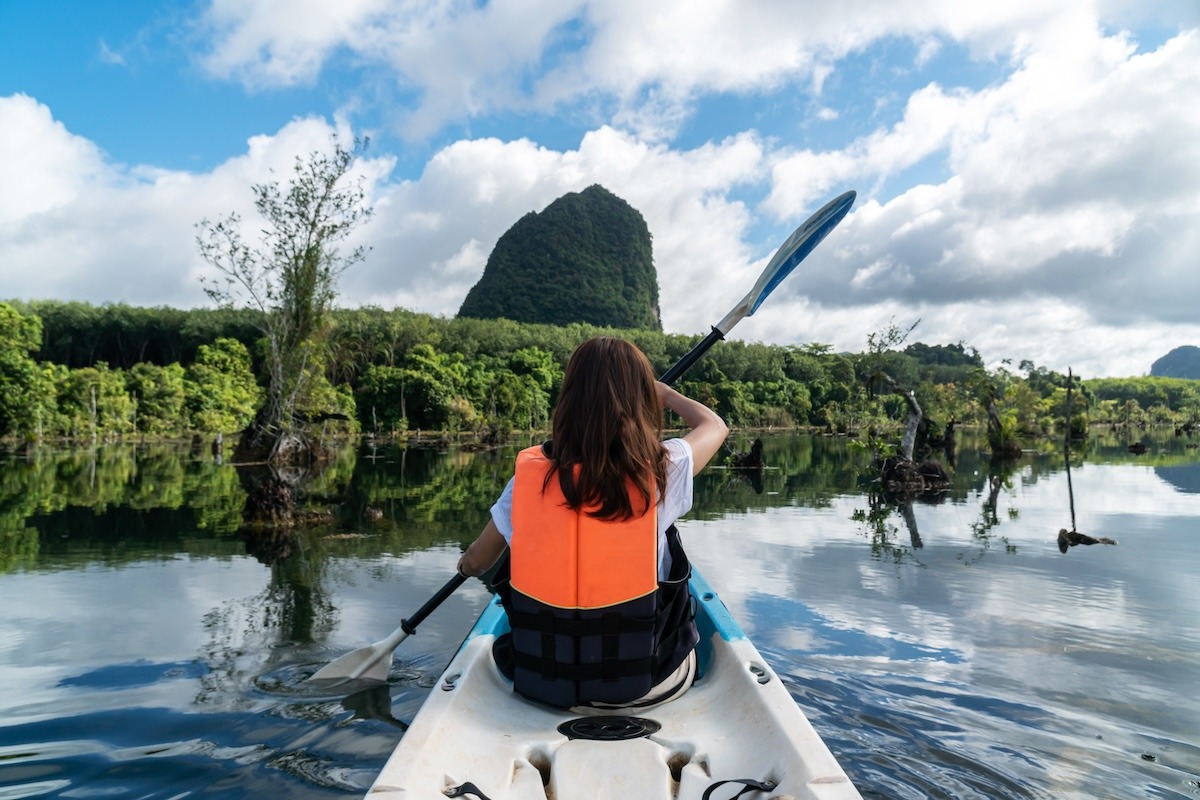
(596, 583)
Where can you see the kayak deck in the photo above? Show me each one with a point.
(736, 722)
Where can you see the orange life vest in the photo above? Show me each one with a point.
(590, 620)
(569, 559)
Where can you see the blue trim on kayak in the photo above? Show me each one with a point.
(711, 614)
(712, 617)
(492, 621)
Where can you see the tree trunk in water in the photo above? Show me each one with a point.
(999, 443)
(269, 515)
(915, 414)
(914, 422)
(261, 443)
(270, 497)
(910, 521)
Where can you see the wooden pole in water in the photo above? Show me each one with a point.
(1067, 449)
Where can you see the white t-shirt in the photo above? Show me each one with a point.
(674, 503)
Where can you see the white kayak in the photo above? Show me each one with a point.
(736, 730)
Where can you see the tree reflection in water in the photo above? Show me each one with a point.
(1000, 472)
(885, 536)
(293, 609)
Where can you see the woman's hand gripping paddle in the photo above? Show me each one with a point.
(373, 662)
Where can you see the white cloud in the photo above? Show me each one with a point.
(648, 64)
(110, 56)
(42, 165)
(280, 42)
(1074, 178)
(74, 225)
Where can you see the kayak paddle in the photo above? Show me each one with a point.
(374, 661)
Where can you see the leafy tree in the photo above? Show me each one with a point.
(380, 399)
(1131, 413)
(894, 372)
(947, 401)
(290, 279)
(950, 363)
(1056, 406)
(332, 406)
(94, 401)
(220, 392)
(951, 355)
(70, 332)
(537, 364)
(1012, 408)
(434, 386)
(27, 398)
(159, 395)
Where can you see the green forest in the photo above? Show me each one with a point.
(75, 371)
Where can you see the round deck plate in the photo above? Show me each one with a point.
(608, 729)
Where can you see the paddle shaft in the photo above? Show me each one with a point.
(791, 253)
(692, 356)
(409, 625)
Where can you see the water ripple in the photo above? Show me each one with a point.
(33, 789)
(901, 737)
(157, 753)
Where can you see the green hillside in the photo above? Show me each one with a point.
(1182, 362)
(586, 258)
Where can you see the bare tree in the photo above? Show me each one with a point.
(290, 277)
(900, 474)
(880, 343)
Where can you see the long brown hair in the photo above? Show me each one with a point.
(608, 431)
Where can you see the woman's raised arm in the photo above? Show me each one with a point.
(708, 430)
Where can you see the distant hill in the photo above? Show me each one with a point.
(1182, 362)
(586, 258)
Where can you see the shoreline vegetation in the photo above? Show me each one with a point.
(75, 373)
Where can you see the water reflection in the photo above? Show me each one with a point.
(1184, 477)
(124, 503)
(883, 507)
(943, 648)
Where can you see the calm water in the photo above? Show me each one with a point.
(943, 650)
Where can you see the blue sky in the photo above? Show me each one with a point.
(1026, 171)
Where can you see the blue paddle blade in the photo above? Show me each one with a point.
(800, 244)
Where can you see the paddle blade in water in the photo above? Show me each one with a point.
(365, 663)
(372, 662)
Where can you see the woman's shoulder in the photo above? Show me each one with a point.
(678, 449)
